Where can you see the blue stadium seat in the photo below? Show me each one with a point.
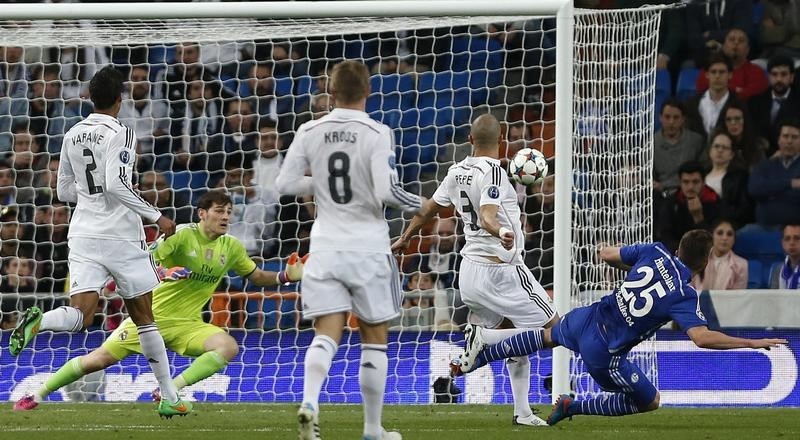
(663, 93)
(686, 88)
(460, 54)
(759, 245)
(755, 275)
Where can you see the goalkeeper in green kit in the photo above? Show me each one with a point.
(195, 260)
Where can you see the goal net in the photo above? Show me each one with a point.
(214, 103)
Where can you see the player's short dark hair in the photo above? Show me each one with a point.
(691, 167)
(215, 197)
(789, 225)
(106, 87)
(694, 249)
(350, 81)
(781, 61)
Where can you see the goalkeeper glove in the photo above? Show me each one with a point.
(294, 269)
(173, 273)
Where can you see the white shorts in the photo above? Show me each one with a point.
(496, 291)
(93, 260)
(368, 284)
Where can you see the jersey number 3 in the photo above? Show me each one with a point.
(646, 294)
(91, 166)
(468, 209)
(338, 168)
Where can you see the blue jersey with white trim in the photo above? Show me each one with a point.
(655, 291)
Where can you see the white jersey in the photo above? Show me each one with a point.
(97, 159)
(472, 183)
(352, 163)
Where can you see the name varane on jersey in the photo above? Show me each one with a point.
(655, 291)
(209, 261)
(475, 182)
(97, 159)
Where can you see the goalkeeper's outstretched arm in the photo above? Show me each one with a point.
(292, 273)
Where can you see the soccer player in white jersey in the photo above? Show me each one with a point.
(351, 268)
(106, 236)
(499, 289)
(198, 256)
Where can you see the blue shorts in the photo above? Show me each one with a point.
(581, 332)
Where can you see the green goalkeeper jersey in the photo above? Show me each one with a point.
(209, 260)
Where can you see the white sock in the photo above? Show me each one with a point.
(519, 374)
(494, 335)
(156, 353)
(316, 365)
(62, 319)
(372, 378)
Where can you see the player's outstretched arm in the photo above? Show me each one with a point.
(292, 273)
(429, 209)
(612, 256)
(705, 338)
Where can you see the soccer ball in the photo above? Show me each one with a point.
(528, 166)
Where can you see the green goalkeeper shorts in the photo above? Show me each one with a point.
(183, 337)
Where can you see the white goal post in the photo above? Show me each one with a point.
(606, 58)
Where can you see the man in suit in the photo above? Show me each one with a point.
(707, 109)
(777, 103)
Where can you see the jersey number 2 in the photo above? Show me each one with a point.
(338, 167)
(91, 166)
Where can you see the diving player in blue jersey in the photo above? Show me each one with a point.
(655, 291)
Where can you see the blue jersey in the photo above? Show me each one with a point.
(655, 291)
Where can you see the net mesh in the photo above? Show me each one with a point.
(215, 103)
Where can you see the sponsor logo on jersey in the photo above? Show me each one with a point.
(222, 259)
(124, 156)
(493, 192)
(634, 377)
(209, 254)
(123, 335)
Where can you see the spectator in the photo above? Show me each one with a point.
(15, 237)
(268, 162)
(673, 145)
(747, 79)
(46, 194)
(786, 275)
(540, 228)
(186, 69)
(705, 111)
(728, 180)
(78, 63)
(8, 191)
(241, 127)
(777, 103)
(725, 269)
(253, 218)
(418, 283)
(13, 90)
(51, 226)
(775, 182)
(262, 87)
(748, 148)
(154, 188)
(671, 36)
(29, 164)
(321, 105)
(196, 136)
(694, 206)
(17, 275)
(49, 114)
(709, 22)
(780, 28)
(149, 119)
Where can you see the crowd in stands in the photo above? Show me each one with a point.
(727, 145)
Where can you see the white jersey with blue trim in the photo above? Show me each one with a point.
(97, 164)
(472, 183)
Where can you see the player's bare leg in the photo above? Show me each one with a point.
(328, 333)
(73, 318)
(372, 378)
(140, 310)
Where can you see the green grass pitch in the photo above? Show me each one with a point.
(106, 421)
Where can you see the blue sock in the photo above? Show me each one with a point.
(616, 404)
(521, 344)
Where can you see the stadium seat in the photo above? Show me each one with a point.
(663, 92)
(460, 54)
(686, 88)
(759, 245)
(755, 275)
